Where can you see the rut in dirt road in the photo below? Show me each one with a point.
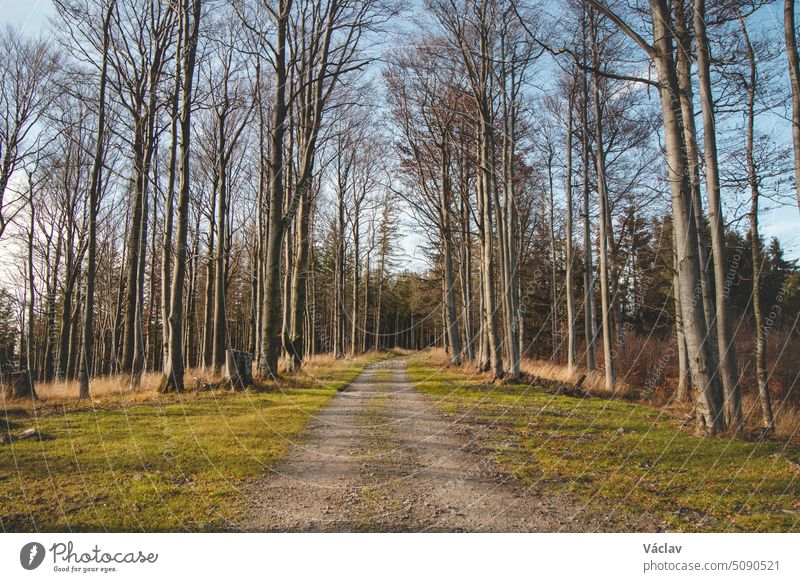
(380, 458)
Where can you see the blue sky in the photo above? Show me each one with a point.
(780, 221)
(30, 15)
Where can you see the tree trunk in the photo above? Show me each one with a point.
(449, 283)
(299, 279)
(338, 307)
(605, 225)
(590, 331)
(174, 362)
(683, 392)
(220, 323)
(506, 221)
(794, 74)
(138, 179)
(709, 404)
(29, 348)
(166, 241)
(728, 368)
(683, 71)
(138, 331)
(551, 235)
(755, 240)
(356, 275)
(485, 190)
(270, 341)
(465, 274)
(571, 355)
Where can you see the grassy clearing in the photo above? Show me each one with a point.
(627, 457)
(151, 462)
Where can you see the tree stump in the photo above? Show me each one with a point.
(17, 385)
(238, 368)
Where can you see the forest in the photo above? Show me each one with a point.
(564, 191)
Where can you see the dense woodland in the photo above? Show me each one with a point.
(586, 178)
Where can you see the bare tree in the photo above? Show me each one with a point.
(710, 415)
(144, 32)
(26, 70)
(190, 13)
(753, 181)
(569, 258)
(470, 28)
(729, 372)
(425, 107)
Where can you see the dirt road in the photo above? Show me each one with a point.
(380, 458)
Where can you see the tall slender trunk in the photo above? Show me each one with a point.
(709, 404)
(219, 321)
(151, 350)
(465, 274)
(505, 219)
(286, 281)
(728, 368)
(299, 280)
(683, 392)
(571, 355)
(174, 363)
(338, 307)
(755, 239)
(453, 336)
(551, 244)
(75, 329)
(138, 330)
(590, 330)
(486, 191)
(30, 347)
(379, 292)
(192, 328)
(605, 224)
(356, 276)
(137, 188)
(51, 282)
(166, 241)
(270, 341)
(66, 314)
(365, 310)
(790, 34)
(684, 70)
(145, 131)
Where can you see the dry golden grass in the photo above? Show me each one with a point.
(594, 382)
(544, 370)
(119, 385)
(116, 389)
(787, 414)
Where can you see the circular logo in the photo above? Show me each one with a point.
(31, 555)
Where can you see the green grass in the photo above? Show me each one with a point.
(625, 457)
(171, 464)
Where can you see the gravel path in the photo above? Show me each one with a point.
(380, 458)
